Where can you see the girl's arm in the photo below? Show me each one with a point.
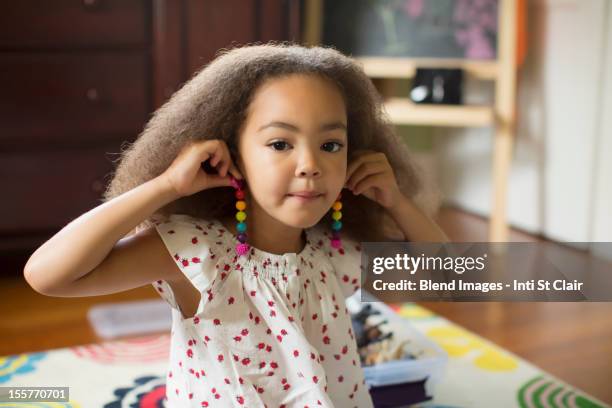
(89, 256)
(85, 244)
(416, 226)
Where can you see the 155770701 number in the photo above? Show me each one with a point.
(34, 394)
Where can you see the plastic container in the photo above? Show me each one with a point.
(406, 381)
(112, 320)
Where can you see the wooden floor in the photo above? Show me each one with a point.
(572, 341)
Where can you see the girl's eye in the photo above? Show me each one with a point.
(277, 144)
(331, 147)
(339, 145)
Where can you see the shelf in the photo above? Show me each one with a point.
(382, 67)
(402, 111)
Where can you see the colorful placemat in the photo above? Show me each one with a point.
(482, 374)
(131, 373)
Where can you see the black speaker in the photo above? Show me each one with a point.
(437, 86)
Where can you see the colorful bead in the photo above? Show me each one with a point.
(336, 224)
(242, 249)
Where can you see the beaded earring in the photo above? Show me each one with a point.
(336, 224)
(242, 248)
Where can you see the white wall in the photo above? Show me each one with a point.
(563, 146)
(602, 205)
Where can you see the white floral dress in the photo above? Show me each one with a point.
(270, 330)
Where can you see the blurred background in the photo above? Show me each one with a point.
(522, 154)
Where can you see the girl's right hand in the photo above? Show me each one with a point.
(186, 175)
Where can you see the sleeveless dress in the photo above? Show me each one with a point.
(270, 330)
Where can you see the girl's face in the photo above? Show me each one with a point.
(294, 140)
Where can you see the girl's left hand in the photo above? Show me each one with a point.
(371, 174)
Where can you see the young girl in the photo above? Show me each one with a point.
(265, 136)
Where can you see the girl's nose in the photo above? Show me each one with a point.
(309, 172)
(308, 166)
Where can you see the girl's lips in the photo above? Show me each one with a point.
(305, 198)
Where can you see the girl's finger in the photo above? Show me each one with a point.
(363, 171)
(364, 158)
(235, 172)
(221, 159)
(350, 169)
(211, 152)
(367, 183)
(224, 168)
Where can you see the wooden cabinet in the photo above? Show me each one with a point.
(79, 78)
